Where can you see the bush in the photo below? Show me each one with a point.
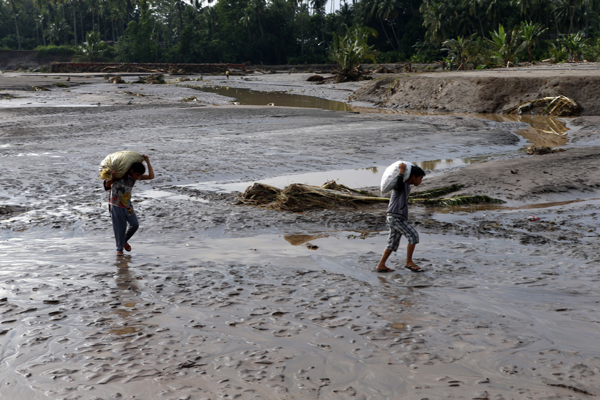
(390, 57)
(43, 51)
(9, 42)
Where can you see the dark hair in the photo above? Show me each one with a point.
(138, 167)
(416, 171)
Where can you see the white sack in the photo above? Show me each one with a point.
(390, 176)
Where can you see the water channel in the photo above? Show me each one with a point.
(541, 131)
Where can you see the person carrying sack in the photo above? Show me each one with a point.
(120, 205)
(397, 219)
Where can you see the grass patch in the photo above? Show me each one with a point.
(428, 194)
(457, 201)
(60, 84)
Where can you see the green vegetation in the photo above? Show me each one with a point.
(457, 201)
(462, 34)
(431, 193)
(350, 50)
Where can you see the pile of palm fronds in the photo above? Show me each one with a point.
(559, 106)
(433, 198)
(298, 197)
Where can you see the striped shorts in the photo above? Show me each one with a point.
(399, 227)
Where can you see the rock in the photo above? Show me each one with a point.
(315, 78)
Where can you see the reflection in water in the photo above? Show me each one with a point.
(297, 240)
(247, 97)
(123, 324)
(124, 279)
(542, 130)
(354, 178)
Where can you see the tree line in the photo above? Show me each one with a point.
(459, 33)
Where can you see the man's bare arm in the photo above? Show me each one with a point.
(108, 184)
(150, 170)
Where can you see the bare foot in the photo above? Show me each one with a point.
(127, 247)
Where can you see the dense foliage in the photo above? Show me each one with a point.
(460, 33)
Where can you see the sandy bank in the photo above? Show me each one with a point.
(551, 176)
(485, 91)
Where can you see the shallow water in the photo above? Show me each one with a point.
(354, 178)
(247, 97)
(542, 130)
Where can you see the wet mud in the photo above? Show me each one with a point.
(219, 300)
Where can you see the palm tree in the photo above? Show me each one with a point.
(258, 6)
(505, 45)
(435, 18)
(530, 33)
(15, 6)
(93, 47)
(475, 7)
(575, 44)
(386, 10)
(245, 21)
(58, 30)
(458, 50)
(319, 8)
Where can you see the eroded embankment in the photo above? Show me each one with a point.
(481, 91)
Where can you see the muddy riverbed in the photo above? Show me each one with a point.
(219, 300)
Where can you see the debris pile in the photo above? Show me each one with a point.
(315, 78)
(174, 69)
(188, 99)
(541, 150)
(298, 197)
(433, 198)
(114, 79)
(153, 79)
(559, 106)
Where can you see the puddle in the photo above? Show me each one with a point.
(542, 130)
(354, 178)
(164, 195)
(247, 97)
(494, 207)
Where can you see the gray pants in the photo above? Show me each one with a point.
(120, 218)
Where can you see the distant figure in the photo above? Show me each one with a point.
(397, 219)
(227, 74)
(119, 203)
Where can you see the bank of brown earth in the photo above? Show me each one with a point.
(559, 176)
(484, 91)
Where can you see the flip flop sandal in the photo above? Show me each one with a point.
(414, 268)
(383, 271)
